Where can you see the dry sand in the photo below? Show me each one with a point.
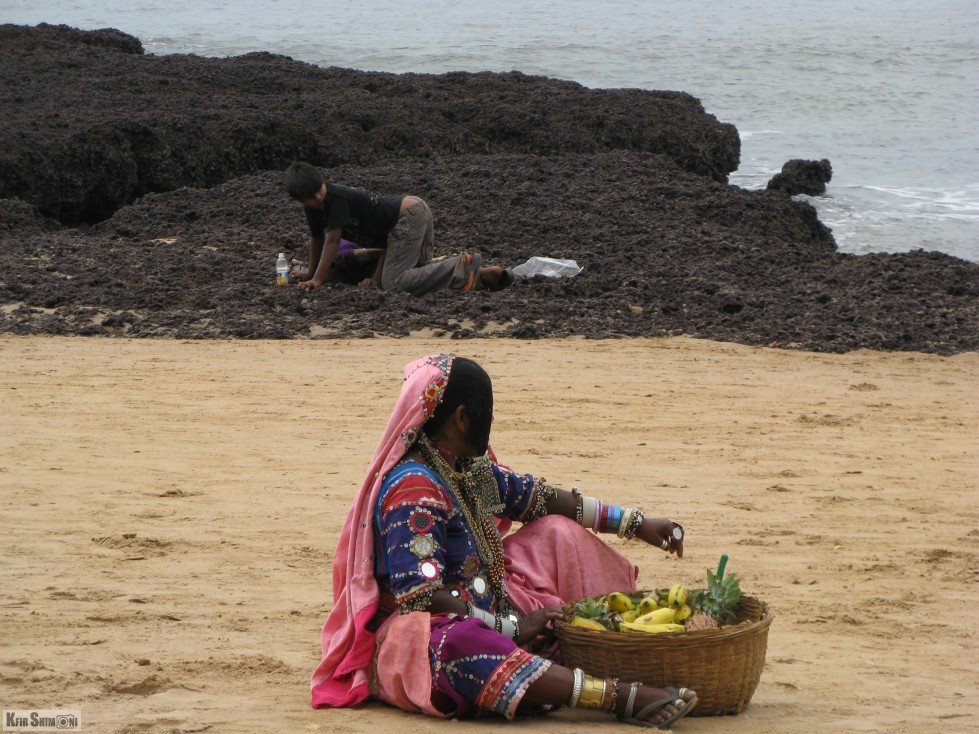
(170, 511)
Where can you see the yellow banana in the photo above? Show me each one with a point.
(678, 595)
(652, 629)
(619, 602)
(682, 613)
(660, 616)
(589, 624)
(630, 616)
(647, 605)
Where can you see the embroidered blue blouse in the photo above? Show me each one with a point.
(423, 541)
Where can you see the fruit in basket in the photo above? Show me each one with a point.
(630, 616)
(653, 629)
(619, 602)
(682, 613)
(677, 596)
(648, 604)
(660, 616)
(588, 624)
(701, 622)
(590, 608)
(721, 597)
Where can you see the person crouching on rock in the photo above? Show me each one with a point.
(401, 225)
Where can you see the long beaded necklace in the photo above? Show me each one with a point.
(488, 540)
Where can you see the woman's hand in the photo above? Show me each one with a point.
(534, 623)
(658, 531)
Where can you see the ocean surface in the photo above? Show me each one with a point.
(887, 90)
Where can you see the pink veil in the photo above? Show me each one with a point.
(341, 678)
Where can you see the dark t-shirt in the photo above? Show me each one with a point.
(363, 216)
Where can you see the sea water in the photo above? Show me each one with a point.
(885, 89)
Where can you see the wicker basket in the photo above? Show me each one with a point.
(722, 665)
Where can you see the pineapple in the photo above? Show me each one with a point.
(721, 597)
(701, 622)
(590, 608)
(596, 610)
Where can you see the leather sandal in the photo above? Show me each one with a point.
(677, 697)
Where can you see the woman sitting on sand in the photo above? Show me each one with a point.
(435, 611)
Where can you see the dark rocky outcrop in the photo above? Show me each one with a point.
(628, 183)
(90, 123)
(802, 177)
(664, 252)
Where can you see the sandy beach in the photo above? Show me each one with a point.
(170, 510)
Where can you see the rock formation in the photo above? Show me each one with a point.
(175, 172)
(802, 177)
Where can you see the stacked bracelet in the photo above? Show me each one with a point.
(577, 686)
(592, 693)
(503, 625)
(627, 516)
(635, 523)
(594, 514)
(630, 524)
(543, 494)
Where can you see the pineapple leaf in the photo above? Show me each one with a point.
(721, 597)
(590, 608)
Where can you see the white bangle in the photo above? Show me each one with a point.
(482, 615)
(589, 506)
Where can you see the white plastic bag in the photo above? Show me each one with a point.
(547, 267)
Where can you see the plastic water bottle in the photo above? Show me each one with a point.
(282, 270)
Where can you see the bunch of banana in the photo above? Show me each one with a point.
(659, 620)
(662, 610)
(676, 598)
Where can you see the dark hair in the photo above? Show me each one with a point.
(470, 387)
(303, 180)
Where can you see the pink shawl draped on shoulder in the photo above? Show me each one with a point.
(342, 677)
